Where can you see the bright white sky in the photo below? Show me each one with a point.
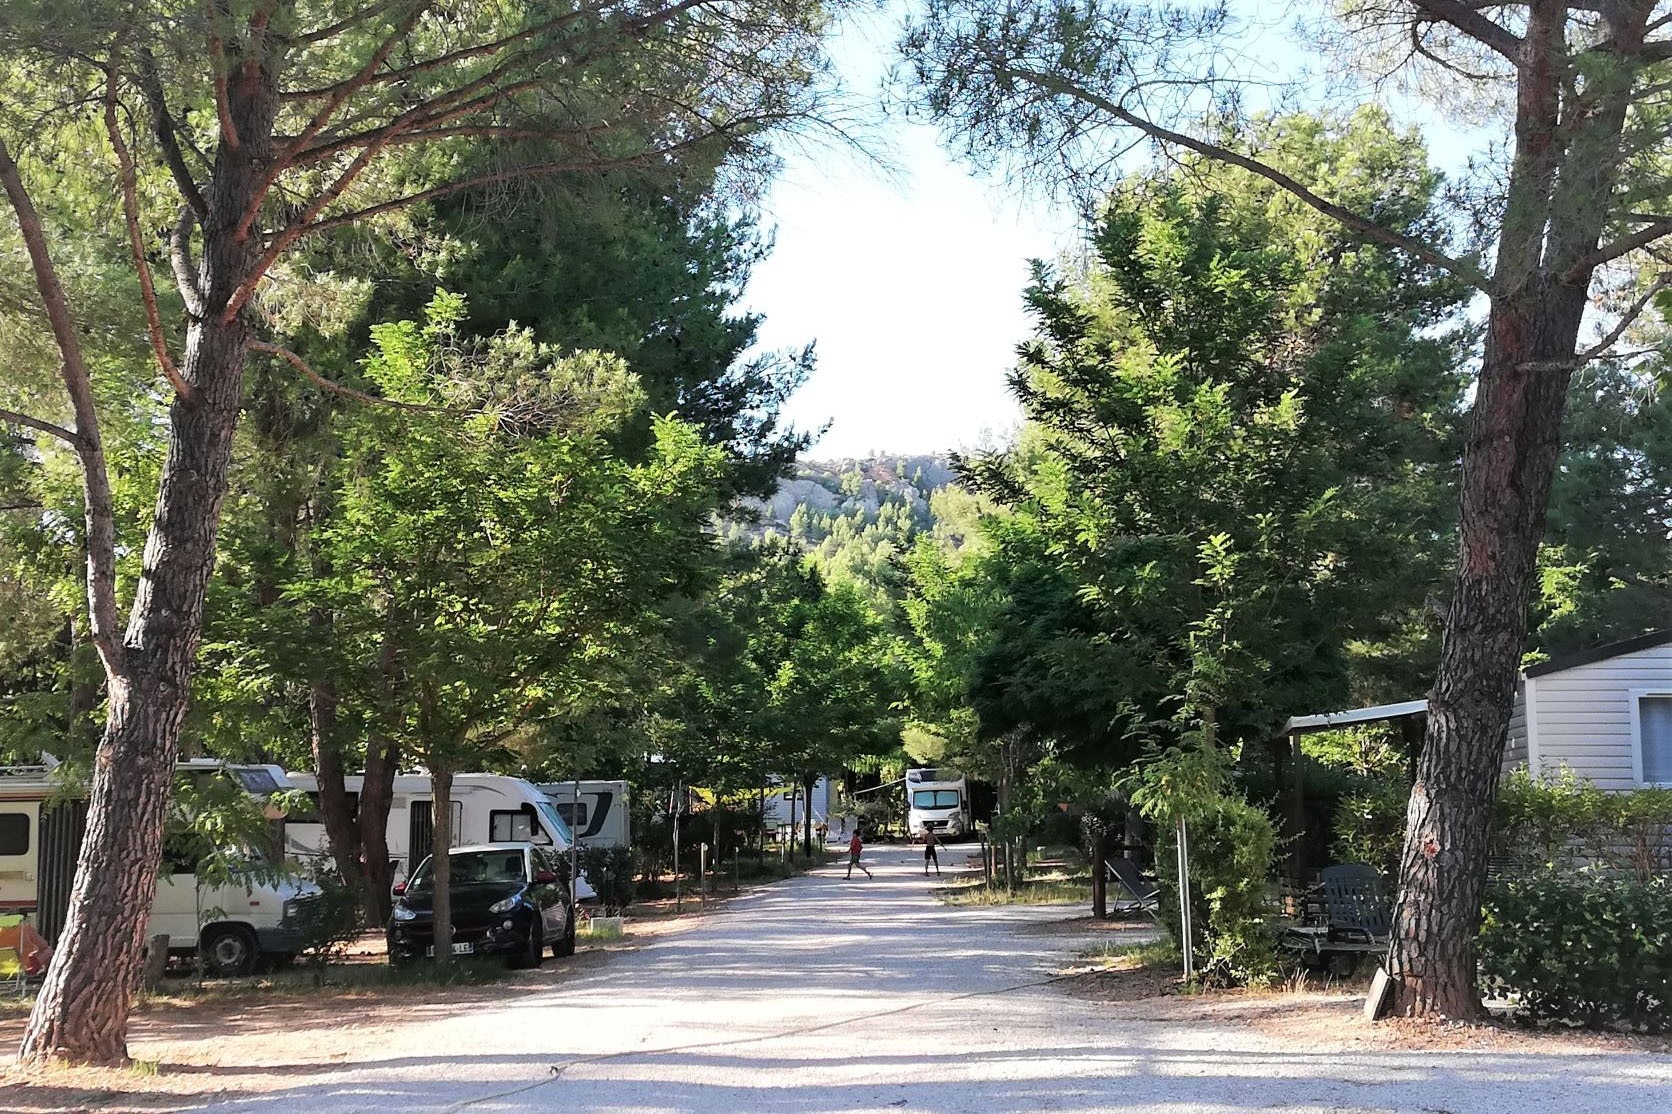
(911, 283)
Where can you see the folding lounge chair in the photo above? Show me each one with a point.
(1143, 895)
(1359, 920)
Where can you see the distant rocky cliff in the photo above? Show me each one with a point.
(855, 489)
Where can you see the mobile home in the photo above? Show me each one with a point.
(42, 824)
(487, 808)
(597, 814)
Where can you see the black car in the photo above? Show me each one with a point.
(509, 899)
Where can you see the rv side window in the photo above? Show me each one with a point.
(181, 854)
(14, 833)
(506, 826)
(573, 812)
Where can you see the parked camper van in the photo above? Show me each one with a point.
(487, 808)
(937, 799)
(599, 817)
(232, 927)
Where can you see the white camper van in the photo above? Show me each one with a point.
(487, 808)
(598, 816)
(233, 927)
(937, 799)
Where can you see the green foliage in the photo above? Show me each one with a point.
(1581, 948)
(1605, 572)
(328, 921)
(1564, 822)
(1370, 826)
(609, 871)
(1231, 848)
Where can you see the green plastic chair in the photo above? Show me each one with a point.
(11, 951)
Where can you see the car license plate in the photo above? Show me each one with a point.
(458, 949)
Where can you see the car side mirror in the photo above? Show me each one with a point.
(398, 889)
(544, 877)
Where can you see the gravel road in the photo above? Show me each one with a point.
(825, 994)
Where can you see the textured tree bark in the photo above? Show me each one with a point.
(1556, 211)
(441, 841)
(341, 830)
(377, 794)
(82, 1011)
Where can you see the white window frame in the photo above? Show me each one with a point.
(1637, 696)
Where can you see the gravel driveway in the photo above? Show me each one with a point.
(825, 994)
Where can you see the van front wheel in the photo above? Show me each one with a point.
(228, 950)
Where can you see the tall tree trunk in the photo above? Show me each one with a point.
(377, 793)
(807, 783)
(82, 1011)
(341, 830)
(1560, 192)
(441, 841)
(1506, 486)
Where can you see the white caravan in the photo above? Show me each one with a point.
(776, 813)
(487, 808)
(232, 927)
(599, 818)
(937, 799)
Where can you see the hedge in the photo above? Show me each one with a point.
(1581, 947)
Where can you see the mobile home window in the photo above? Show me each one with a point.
(14, 833)
(573, 813)
(506, 826)
(1654, 722)
(935, 798)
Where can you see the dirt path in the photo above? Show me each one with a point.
(825, 994)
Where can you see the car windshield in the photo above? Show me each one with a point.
(935, 798)
(471, 868)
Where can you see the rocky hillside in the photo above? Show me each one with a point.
(854, 489)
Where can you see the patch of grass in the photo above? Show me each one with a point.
(1047, 888)
(1153, 953)
(598, 933)
(144, 1067)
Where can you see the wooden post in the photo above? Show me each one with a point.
(1099, 877)
(1297, 816)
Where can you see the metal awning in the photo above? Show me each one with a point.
(1328, 721)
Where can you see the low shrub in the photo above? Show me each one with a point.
(609, 871)
(1231, 851)
(1583, 948)
(328, 922)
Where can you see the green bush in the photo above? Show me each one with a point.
(1565, 822)
(1580, 947)
(609, 870)
(1231, 850)
(1370, 827)
(328, 922)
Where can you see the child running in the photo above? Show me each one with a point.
(855, 846)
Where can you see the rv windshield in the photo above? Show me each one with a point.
(935, 798)
(554, 822)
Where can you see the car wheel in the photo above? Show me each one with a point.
(534, 948)
(565, 945)
(228, 950)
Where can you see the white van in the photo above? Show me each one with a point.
(233, 927)
(487, 808)
(598, 815)
(938, 799)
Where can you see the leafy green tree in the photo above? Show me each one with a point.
(1579, 186)
(247, 129)
(1606, 570)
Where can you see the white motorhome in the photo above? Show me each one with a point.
(599, 816)
(42, 824)
(487, 808)
(938, 799)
